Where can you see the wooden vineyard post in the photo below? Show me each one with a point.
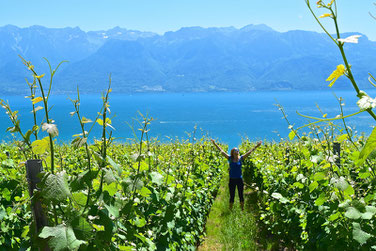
(337, 151)
(33, 168)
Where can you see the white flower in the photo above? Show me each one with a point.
(301, 177)
(362, 93)
(331, 159)
(351, 39)
(90, 217)
(51, 129)
(366, 102)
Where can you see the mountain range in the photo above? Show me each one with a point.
(192, 59)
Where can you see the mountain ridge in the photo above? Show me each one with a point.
(191, 59)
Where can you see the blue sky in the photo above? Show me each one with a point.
(170, 15)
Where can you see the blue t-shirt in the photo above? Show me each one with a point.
(236, 168)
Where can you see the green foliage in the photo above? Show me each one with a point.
(15, 214)
(315, 205)
(167, 208)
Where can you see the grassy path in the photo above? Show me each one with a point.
(229, 229)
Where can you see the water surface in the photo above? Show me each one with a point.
(224, 116)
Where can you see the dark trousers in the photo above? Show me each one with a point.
(236, 182)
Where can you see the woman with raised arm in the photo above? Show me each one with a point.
(236, 179)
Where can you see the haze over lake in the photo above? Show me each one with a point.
(225, 116)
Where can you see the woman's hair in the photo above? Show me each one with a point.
(233, 150)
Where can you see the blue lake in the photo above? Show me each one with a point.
(224, 116)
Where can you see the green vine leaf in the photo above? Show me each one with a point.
(40, 146)
(145, 192)
(359, 235)
(55, 187)
(353, 213)
(63, 238)
(78, 142)
(292, 135)
(279, 197)
(313, 186)
(368, 148)
(156, 178)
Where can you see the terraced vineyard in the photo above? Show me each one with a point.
(315, 191)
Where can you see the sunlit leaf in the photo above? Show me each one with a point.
(313, 186)
(126, 248)
(368, 148)
(336, 74)
(40, 146)
(98, 227)
(145, 192)
(349, 190)
(109, 176)
(79, 142)
(116, 166)
(335, 216)
(39, 76)
(111, 188)
(342, 137)
(80, 198)
(292, 135)
(114, 208)
(352, 213)
(156, 178)
(139, 222)
(28, 134)
(319, 176)
(86, 120)
(279, 197)
(38, 108)
(321, 199)
(341, 184)
(100, 122)
(359, 235)
(36, 100)
(325, 15)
